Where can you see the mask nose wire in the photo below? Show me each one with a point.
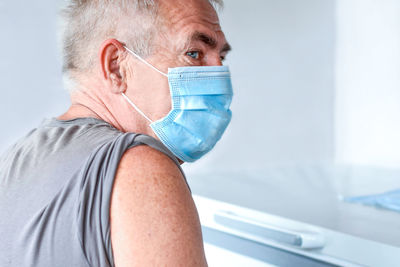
(145, 62)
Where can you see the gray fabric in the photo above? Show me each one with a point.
(55, 188)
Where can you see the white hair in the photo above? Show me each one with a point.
(87, 23)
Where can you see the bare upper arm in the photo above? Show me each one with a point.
(154, 221)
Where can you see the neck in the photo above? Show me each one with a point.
(85, 104)
(93, 99)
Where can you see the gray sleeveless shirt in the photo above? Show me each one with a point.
(55, 189)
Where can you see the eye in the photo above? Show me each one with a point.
(193, 54)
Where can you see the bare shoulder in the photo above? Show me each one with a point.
(154, 221)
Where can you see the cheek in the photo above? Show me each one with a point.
(167, 98)
(162, 98)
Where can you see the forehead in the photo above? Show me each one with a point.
(186, 16)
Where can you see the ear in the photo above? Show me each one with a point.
(111, 54)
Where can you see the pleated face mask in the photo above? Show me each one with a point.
(200, 112)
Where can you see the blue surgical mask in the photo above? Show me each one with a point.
(200, 112)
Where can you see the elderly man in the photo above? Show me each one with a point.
(101, 185)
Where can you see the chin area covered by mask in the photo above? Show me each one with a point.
(201, 97)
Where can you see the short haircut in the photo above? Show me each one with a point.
(87, 23)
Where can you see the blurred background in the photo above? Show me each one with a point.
(314, 81)
(316, 111)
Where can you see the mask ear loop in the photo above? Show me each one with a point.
(136, 108)
(151, 66)
(145, 62)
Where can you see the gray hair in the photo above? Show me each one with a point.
(87, 23)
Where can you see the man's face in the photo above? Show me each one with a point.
(190, 35)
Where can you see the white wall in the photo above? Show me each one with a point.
(282, 65)
(368, 82)
(30, 72)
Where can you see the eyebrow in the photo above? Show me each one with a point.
(209, 41)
